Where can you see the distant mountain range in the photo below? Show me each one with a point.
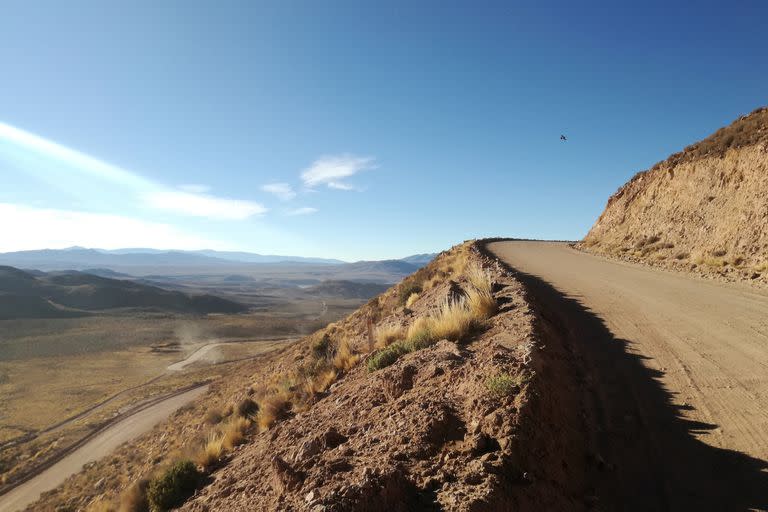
(131, 262)
(241, 257)
(67, 294)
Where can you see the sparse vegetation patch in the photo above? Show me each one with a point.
(172, 487)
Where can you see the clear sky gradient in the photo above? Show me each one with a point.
(355, 130)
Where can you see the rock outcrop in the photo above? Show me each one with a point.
(704, 209)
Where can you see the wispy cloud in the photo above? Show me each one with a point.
(188, 200)
(202, 205)
(282, 191)
(307, 210)
(331, 170)
(33, 228)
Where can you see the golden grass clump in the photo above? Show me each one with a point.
(271, 409)
(480, 295)
(418, 327)
(233, 432)
(387, 334)
(211, 451)
(344, 358)
(454, 320)
(320, 382)
(413, 297)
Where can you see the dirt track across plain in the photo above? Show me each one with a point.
(98, 446)
(674, 371)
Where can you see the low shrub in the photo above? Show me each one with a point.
(172, 488)
(321, 346)
(213, 416)
(387, 356)
(247, 407)
(502, 384)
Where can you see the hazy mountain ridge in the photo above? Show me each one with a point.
(59, 294)
(101, 260)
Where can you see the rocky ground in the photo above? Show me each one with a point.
(480, 423)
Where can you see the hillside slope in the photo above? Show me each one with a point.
(435, 395)
(63, 294)
(704, 209)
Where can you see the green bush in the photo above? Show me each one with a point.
(387, 356)
(420, 339)
(172, 488)
(502, 384)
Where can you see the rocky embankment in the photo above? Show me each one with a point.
(703, 210)
(436, 395)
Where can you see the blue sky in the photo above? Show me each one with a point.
(351, 129)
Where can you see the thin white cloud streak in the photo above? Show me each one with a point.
(307, 210)
(33, 228)
(201, 205)
(282, 191)
(331, 170)
(340, 186)
(188, 200)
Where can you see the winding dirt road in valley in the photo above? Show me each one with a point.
(98, 446)
(674, 374)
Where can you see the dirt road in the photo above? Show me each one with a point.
(98, 446)
(674, 374)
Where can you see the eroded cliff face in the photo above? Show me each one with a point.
(704, 209)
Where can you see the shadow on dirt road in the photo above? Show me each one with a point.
(646, 454)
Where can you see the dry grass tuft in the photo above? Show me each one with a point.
(345, 358)
(211, 451)
(411, 299)
(234, 432)
(134, 498)
(320, 382)
(454, 320)
(419, 328)
(385, 335)
(480, 296)
(271, 409)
